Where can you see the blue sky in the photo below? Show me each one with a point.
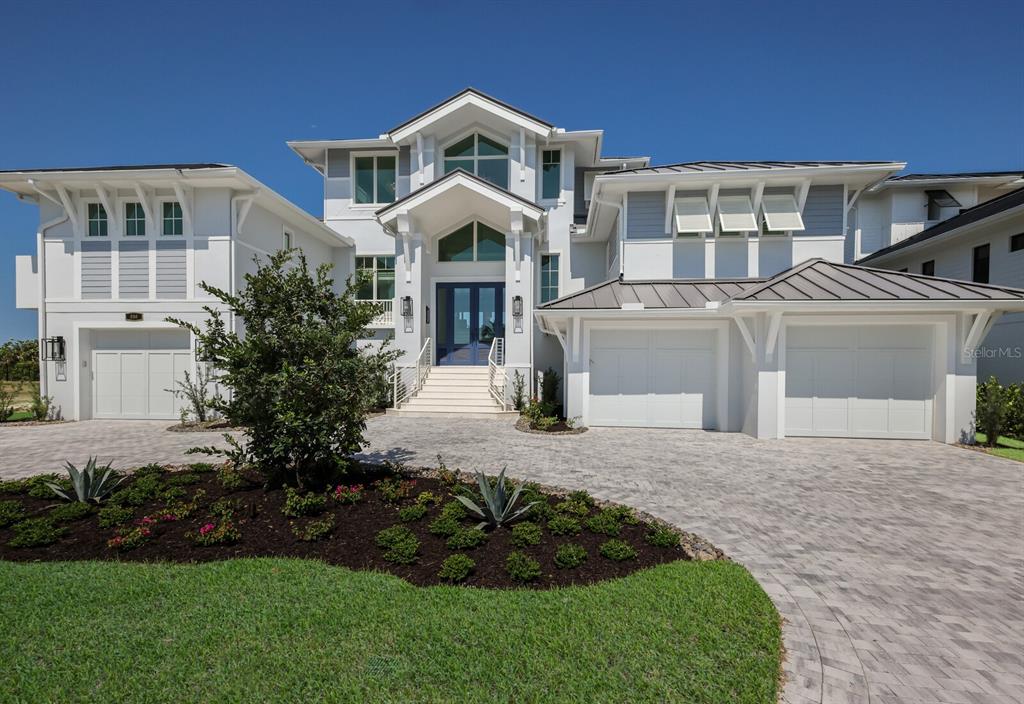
(936, 84)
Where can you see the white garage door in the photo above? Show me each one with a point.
(652, 378)
(135, 373)
(859, 381)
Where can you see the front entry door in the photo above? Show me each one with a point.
(469, 317)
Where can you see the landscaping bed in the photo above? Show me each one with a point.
(202, 426)
(408, 524)
(560, 427)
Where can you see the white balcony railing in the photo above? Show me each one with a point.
(386, 319)
(408, 379)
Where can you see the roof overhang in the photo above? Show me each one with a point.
(451, 199)
(995, 181)
(314, 151)
(466, 108)
(33, 185)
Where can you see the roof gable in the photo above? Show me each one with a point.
(470, 97)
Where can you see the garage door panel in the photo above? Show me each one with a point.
(107, 381)
(133, 384)
(139, 383)
(879, 386)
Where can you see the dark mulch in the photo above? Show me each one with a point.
(266, 533)
(206, 426)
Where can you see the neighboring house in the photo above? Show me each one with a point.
(984, 244)
(119, 249)
(715, 295)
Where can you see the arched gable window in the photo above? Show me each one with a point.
(473, 242)
(479, 155)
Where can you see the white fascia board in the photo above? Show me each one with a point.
(845, 307)
(440, 187)
(781, 213)
(467, 99)
(692, 215)
(560, 313)
(368, 143)
(926, 182)
(736, 214)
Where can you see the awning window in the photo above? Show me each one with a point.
(692, 216)
(781, 213)
(736, 214)
(942, 199)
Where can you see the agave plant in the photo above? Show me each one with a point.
(499, 506)
(89, 484)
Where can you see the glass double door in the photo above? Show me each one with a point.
(469, 317)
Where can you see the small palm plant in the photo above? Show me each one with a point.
(499, 505)
(88, 484)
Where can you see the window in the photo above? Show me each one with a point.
(134, 220)
(736, 214)
(481, 156)
(548, 277)
(473, 242)
(287, 240)
(97, 220)
(375, 179)
(1017, 243)
(937, 200)
(376, 277)
(781, 213)
(928, 268)
(551, 174)
(979, 270)
(172, 218)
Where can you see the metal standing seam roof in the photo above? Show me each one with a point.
(968, 216)
(819, 280)
(813, 280)
(119, 167)
(680, 293)
(718, 166)
(948, 177)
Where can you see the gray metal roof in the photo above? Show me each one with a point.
(119, 167)
(813, 280)
(819, 280)
(980, 212)
(678, 293)
(717, 166)
(949, 177)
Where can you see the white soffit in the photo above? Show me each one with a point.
(781, 213)
(736, 214)
(692, 215)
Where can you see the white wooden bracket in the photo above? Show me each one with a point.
(113, 220)
(748, 338)
(243, 213)
(801, 194)
(756, 196)
(147, 207)
(981, 326)
(67, 201)
(419, 156)
(774, 324)
(670, 197)
(516, 217)
(405, 231)
(185, 201)
(522, 154)
(713, 205)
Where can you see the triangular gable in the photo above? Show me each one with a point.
(466, 98)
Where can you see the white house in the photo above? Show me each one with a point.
(717, 295)
(120, 249)
(984, 244)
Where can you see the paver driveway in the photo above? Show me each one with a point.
(898, 566)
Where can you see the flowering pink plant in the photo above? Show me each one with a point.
(348, 494)
(208, 528)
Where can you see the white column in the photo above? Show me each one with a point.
(709, 257)
(771, 382)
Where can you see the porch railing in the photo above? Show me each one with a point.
(496, 371)
(386, 319)
(408, 379)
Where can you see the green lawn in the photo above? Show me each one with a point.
(294, 630)
(1005, 447)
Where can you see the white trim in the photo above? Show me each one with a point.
(461, 101)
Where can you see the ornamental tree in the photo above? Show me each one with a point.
(298, 384)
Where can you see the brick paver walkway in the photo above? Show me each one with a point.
(898, 566)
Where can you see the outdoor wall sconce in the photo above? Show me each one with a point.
(517, 313)
(407, 312)
(53, 349)
(427, 321)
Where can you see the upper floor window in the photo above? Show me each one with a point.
(979, 268)
(551, 174)
(375, 179)
(928, 268)
(937, 200)
(548, 277)
(473, 242)
(97, 220)
(376, 277)
(1017, 242)
(172, 219)
(134, 220)
(286, 242)
(479, 155)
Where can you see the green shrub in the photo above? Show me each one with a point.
(564, 525)
(153, 469)
(115, 516)
(540, 512)
(456, 568)
(183, 478)
(224, 507)
(624, 514)
(393, 490)
(145, 487)
(222, 531)
(70, 512)
(400, 545)
(662, 537)
(38, 486)
(581, 497)
(295, 504)
(572, 508)
(991, 410)
(131, 537)
(412, 513)
(526, 534)
(569, 555)
(453, 509)
(444, 526)
(296, 379)
(171, 493)
(15, 486)
(202, 467)
(466, 539)
(605, 522)
(618, 550)
(230, 477)
(314, 530)
(180, 510)
(522, 567)
(10, 512)
(35, 532)
(428, 498)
